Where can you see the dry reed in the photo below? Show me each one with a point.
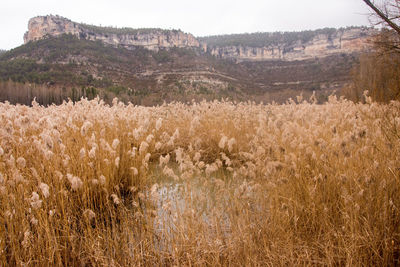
(210, 183)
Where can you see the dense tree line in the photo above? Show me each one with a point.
(24, 93)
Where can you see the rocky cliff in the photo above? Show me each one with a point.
(288, 46)
(152, 39)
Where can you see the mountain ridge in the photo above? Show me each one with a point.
(266, 46)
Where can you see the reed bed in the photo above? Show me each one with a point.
(200, 184)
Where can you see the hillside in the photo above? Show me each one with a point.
(149, 77)
(64, 59)
(134, 74)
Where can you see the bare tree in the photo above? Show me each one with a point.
(379, 69)
(387, 12)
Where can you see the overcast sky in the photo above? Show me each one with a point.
(200, 17)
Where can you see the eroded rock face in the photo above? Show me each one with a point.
(152, 39)
(342, 41)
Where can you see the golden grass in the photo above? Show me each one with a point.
(211, 183)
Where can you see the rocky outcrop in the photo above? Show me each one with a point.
(322, 45)
(152, 39)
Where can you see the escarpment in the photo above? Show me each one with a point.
(152, 39)
(288, 46)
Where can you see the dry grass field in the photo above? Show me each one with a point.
(200, 184)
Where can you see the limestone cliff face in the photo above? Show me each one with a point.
(341, 41)
(320, 45)
(152, 39)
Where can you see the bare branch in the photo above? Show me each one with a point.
(384, 17)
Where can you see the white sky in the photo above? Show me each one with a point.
(200, 17)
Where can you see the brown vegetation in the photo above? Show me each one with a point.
(25, 93)
(207, 184)
(378, 72)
